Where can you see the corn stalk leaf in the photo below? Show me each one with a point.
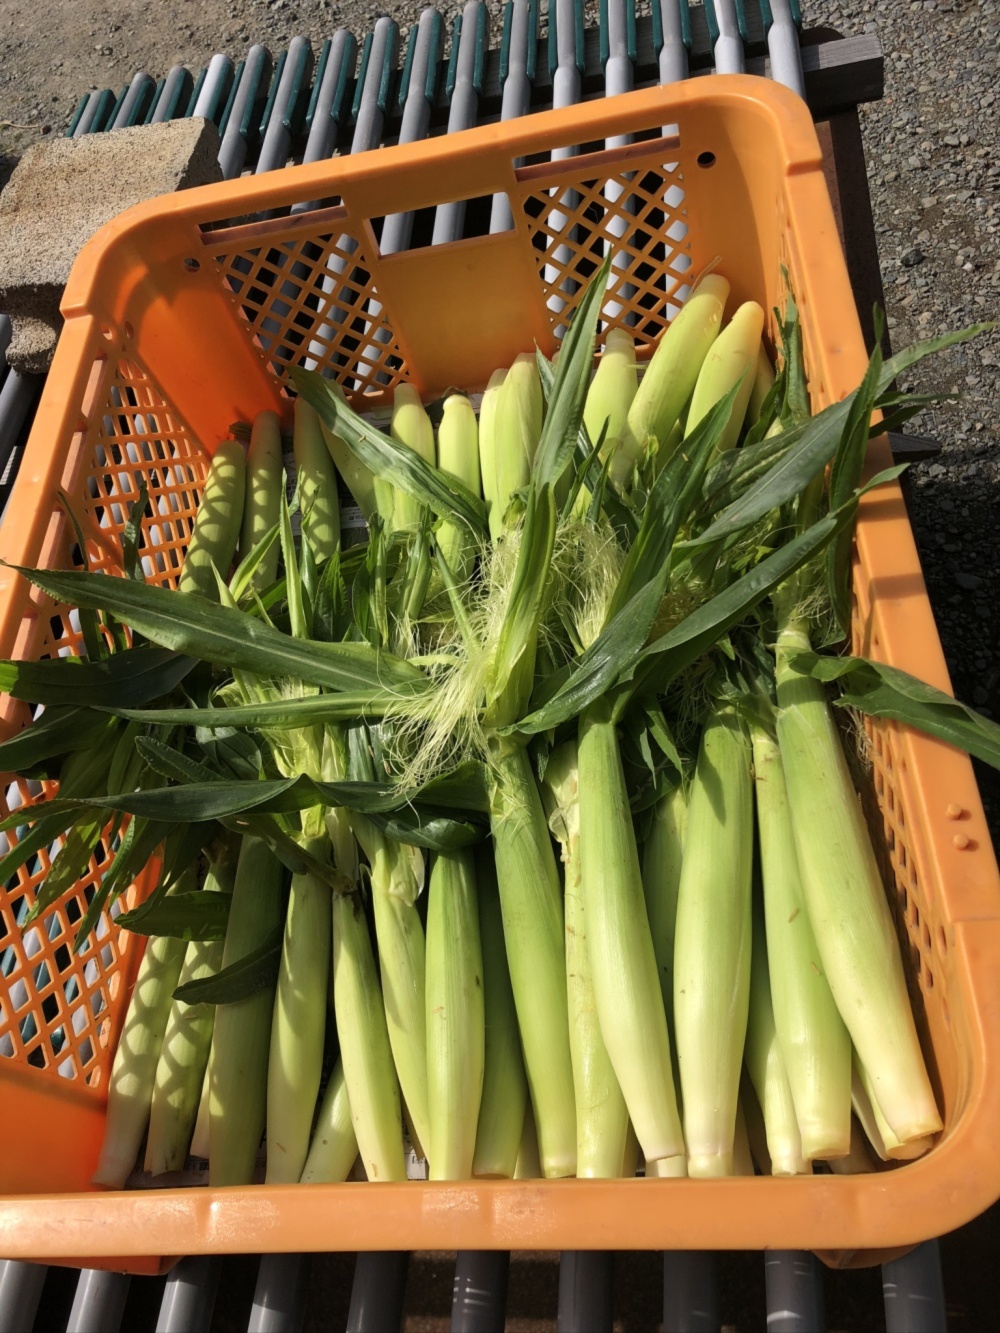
(514, 663)
(385, 457)
(663, 660)
(131, 678)
(784, 480)
(60, 730)
(182, 916)
(131, 535)
(910, 356)
(885, 691)
(845, 474)
(254, 972)
(227, 637)
(346, 706)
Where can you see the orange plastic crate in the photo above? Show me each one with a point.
(180, 318)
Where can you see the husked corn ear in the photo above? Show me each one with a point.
(763, 383)
(359, 479)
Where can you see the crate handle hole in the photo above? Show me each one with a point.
(192, 265)
(706, 160)
(128, 330)
(107, 332)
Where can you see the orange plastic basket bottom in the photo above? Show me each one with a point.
(181, 317)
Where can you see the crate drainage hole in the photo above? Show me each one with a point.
(706, 159)
(192, 265)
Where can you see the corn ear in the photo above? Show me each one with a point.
(458, 455)
(456, 1031)
(316, 480)
(815, 1047)
(505, 1087)
(667, 1168)
(180, 1070)
(619, 944)
(712, 944)
(846, 901)
(766, 1067)
(671, 375)
(133, 1072)
(531, 903)
(262, 502)
(487, 443)
(602, 1121)
(879, 1131)
(199, 1137)
(517, 428)
(742, 1156)
(662, 858)
(364, 1044)
(358, 477)
(731, 360)
(611, 391)
(217, 523)
(763, 383)
(411, 426)
(298, 1025)
(334, 1147)
(241, 1037)
(528, 1166)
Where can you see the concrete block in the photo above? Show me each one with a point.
(63, 191)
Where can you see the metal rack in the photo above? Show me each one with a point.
(350, 97)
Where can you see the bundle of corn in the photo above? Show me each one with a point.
(583, 620)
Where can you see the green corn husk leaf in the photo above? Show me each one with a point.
(131, 678)
(663, 660)
(59, 731)
(256, 971)
(132, 534)
(90, 626)
(643, 582)
(344, 706)
(514, 663)
(446, 496)
(227, 637)
(139, 842)
(884, 691)
(183, 916)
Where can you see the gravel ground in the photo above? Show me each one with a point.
(934, 168)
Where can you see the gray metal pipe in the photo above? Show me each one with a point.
(99, 1302)
(279, 1298)
(20, 1291)
(586, 1291)
(378, 1292)
(794, 1285)
(913, 1290)
(690, 1292)
(473, 42)
(479, 1298)
(189, 1295)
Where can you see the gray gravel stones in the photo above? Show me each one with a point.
(933, 151)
